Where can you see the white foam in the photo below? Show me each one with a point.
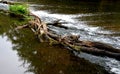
(114, 65)
(115, 70)
(60, 16)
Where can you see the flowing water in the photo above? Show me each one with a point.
(94, 21)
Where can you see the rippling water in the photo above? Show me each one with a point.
(102, 26)
(87, 33)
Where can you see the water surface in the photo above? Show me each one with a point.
(22, 53)
(95, 21)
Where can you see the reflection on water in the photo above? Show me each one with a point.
(9, 61)
(95, 21)
(21, 53)
(74, 7)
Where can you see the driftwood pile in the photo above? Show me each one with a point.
(45, 34)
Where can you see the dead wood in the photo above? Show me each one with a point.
(58, 24)
(45, 34)
(100, 52)
(95, 48)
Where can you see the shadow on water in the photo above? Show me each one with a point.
(41, 57)
(76, 7)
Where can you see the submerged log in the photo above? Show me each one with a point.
(105, 47)
(100, 52)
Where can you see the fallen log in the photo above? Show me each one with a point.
(57, 24)
(100, 52)
(72, 41)
(105, 47)
(104, 50)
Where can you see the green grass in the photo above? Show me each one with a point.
(19, 9)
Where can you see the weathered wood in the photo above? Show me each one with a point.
(100, 52)
(22, 26)
(44, 34)
(57, 24)
(72, 41)
(88, 47)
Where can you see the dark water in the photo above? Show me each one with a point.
(95, 21)
(21, 53)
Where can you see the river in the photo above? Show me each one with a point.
(94, 21)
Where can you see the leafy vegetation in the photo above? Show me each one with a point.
(19, 9)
